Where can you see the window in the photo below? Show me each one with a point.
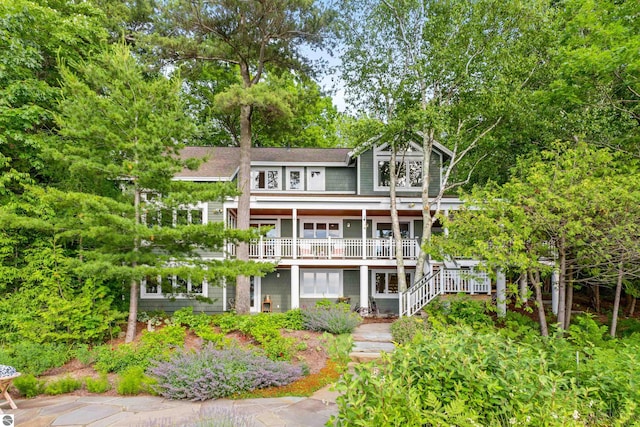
(385, 283)
(153, 213)
(315, 179)
(174, 286)
(295, 179)
(321, 230)
(265, 179)
(320, 284)
(384, 230)
(408, 168)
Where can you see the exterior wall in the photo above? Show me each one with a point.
(214, 214)
(355, 230)
(368, 170)
(169, 306)
(340, 179)
(278, 289)
(286, 228)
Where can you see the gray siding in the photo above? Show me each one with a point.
(278, 289)
(169, 306)
(355, 231)
(340, 179)
(286, 228)
(367, 169)
(214, 214)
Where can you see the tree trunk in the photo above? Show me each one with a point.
(427, 219)
(535, 280)
(243, 301)
(135, 289)
(395, 222)
(596, 297)
(524, 288)
(562, 285)
(567, 317)
(632, 307)
(616, 300)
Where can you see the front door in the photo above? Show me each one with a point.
(255, 295)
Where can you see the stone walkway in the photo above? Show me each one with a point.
(147, 411)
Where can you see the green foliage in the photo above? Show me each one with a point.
(32, 358)
(133, 381)
(207, 333)
(185, 317)
(28, 385)
(585, 332)
(153, 345)
(97, 385)
(294, 319)
(338, 347)
(333, 318)
(404, 329)
(62, 385)
(457, 375)
(460, 309)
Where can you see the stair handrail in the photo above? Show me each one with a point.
(415, 298)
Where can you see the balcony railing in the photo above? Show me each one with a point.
(329, 248)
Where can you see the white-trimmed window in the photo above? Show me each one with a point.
(321, 229)
(154, 214)
(320, 283)
(385, 283)
(266, 179)
(315, 179)
(295, 179)
(408, 168)
(175, 286)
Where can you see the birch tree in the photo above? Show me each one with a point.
(446, 67)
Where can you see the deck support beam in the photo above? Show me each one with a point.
(501, 293)
(555, 291)
(364, 286)
(295, 286)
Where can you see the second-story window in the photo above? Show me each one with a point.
(295, 179)
(266, 179)
(408, 168)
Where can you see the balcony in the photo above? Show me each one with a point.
(330, 248)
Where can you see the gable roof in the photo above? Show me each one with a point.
(222, 163)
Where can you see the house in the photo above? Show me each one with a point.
(330, 236)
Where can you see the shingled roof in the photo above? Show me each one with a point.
(222, 162)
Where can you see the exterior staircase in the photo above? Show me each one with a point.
(442, 281)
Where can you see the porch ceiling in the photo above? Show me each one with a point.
(328, 212)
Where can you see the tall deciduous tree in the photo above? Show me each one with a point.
(444, 68)
(253, 36)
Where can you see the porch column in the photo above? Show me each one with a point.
(294, 238)
(524, 288)
(295, 286)
(501, 293)
(224, 294)
(364, 234)
(555, 291)
(364, 286)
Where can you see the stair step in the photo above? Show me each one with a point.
(370, 347)
(362, 357)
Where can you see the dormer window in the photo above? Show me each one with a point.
(266, 179)
(408, 168)
(295, 179)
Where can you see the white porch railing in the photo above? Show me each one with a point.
(442, 281)
(329, 248)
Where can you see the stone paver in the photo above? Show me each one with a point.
(369, 340)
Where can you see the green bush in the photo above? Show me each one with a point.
(62, 385)
(84, 354)
(404, 329)
(294, 319)
(279, 348)
(338, 347)
(185, 317)
(133, 381)
(460, 309)
(152, 345)
(28, 385)
(32, 358)
(207, 333)
(459, 376)
(97, 385)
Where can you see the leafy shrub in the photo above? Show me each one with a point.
(28, 385)
(294, 319)
(97, 385)
(133, 381)
(212, 373)
(152, 345)
(84, 354)
(404, 329)
(279, 348)
(207, 333)
(338, 347)
(334, 319)
(185, 317)
(460, 309)
(62, 385)
(585, 332)
(458, 376)
(32, 358)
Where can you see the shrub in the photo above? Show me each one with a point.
(404, 329)
(212, 373)
(334, 319)
(294, 319)
(207, 333)
(460, 309)
(279, 348)
(31, 358)
(338, 347)
(185, 317)
(97, 385)
(84, 354)
(62, 385)
(133, 381)
(152, 345)
(28, 385)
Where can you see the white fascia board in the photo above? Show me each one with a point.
(202, 178)
(280, 163)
